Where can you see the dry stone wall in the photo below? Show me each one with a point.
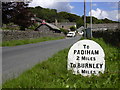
(8, 35)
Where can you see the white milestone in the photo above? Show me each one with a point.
(86, 57)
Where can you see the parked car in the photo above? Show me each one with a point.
(71, 34)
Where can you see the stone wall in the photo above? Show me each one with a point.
(8, 35)
(109, 26)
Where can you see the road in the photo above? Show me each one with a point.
(16, 60)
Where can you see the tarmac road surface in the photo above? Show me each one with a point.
(16, 60)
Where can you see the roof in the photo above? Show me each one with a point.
(67, 23)
(52, 26)
(48, 24)
(107, 25)
(80, 29)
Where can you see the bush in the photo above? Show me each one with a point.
(33, 27)
(110, 37)
(10, 26)
(64, 31)
(72, 28)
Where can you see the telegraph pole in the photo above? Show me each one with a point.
(85, 18)
(0, 14)
(91, 16)
(91, 12)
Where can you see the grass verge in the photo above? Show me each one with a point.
(53, 73)
(28, 41)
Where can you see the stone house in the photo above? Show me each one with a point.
(47, 27)
(64, 25)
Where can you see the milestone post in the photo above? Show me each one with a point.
(86, 57)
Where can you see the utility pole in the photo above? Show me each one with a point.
(0, 14)
(91, 16)
(91, 13)
(85, 18)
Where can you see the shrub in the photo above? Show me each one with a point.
(72, 28)
(64, 31)
(10, 26)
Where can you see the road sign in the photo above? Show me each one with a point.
(86, 57)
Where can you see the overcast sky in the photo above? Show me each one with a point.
(100, 10)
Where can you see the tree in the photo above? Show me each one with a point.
(64, 31)
(6, 12)
(44, 13)
(80, 22)
(16, 12)
(72, 28)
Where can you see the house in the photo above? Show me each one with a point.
(64, 25)
(47, 27)
(80, 29)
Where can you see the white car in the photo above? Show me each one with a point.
(71, 34)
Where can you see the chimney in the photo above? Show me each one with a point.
(43, 22)
(56, 22)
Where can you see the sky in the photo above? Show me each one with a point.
(100, 10)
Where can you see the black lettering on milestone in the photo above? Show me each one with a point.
(83, 57)
(83, 71)
(101, 65)
(94, 58)
(96, 52)
(86, 65)
(78, 58)
(92, 52)
(78, 52)
(71, 65)
(90, 65)
(84, 46)
(97, 66)
(74, 65)
(75, 51)
(82, 52)
(88, 47)
(93, 65)
(78, 65)
(88, 51)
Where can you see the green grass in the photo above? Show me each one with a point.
(28, 41)
(53, 73)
